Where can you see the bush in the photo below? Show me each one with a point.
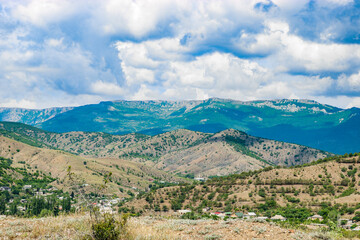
(109, 228)
(45, 213)
(190, 215)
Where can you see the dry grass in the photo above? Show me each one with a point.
(145, 228)
(61, 227)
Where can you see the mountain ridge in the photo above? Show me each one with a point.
(180, 151)
(305, 122)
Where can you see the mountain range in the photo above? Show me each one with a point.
(304, 122)
(182, 151)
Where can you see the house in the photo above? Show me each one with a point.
(201, 179)
(20, 208)
(278, 218)
(27, 187)
(348, 223)
(52, 189)
(239, 214)
(316, 217)
(219, 214)
(261, 218)
(183, 211)
(115, 201)
(357, 228)
(250, 215)
(5, 188)
(204, 210)
(228, 214)
(106, 210)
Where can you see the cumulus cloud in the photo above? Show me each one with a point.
(77, 52)
(42, 13)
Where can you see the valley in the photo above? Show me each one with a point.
(186, 175)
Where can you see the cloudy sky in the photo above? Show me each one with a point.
(66, 53)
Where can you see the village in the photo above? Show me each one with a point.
(315, 221)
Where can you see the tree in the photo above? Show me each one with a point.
(13, 208)
(2, 204)
(66, 204)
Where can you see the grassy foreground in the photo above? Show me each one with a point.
(77, 226)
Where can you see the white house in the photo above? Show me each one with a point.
(316, 217)
(27, 187)
(183, 211)
(201, 179)
(278, 218)
(5, 188)
(250, 215)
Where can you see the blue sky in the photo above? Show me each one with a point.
(69, 53)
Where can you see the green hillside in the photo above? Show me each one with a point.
(299, 121)
(303, 122)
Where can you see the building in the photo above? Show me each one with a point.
(204, 210)
(201, 179)
(357, 228)
(250, 215)
(27, 187)
(239, 214)
(278, 218)
(316, 217)
(348, 223)
(5, 188)
(261, 218)
(106, 210)
(183, 211)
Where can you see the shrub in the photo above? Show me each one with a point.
(45, 213)
(107, 227)
(190, 215)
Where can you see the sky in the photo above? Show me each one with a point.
(68, 53)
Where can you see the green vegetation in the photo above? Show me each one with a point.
(240, 146)
(29, 194)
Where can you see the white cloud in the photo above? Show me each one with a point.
(354, 102)
(41, 13)
(289, 52)
(105, 88)
(335, 2)
(172, 49)
(23, 103)
(349, 83)
(137, 18)
(145, 93)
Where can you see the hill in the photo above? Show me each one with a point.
(125, 175)
(181, 151)
(303, 122)
(328, 185)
